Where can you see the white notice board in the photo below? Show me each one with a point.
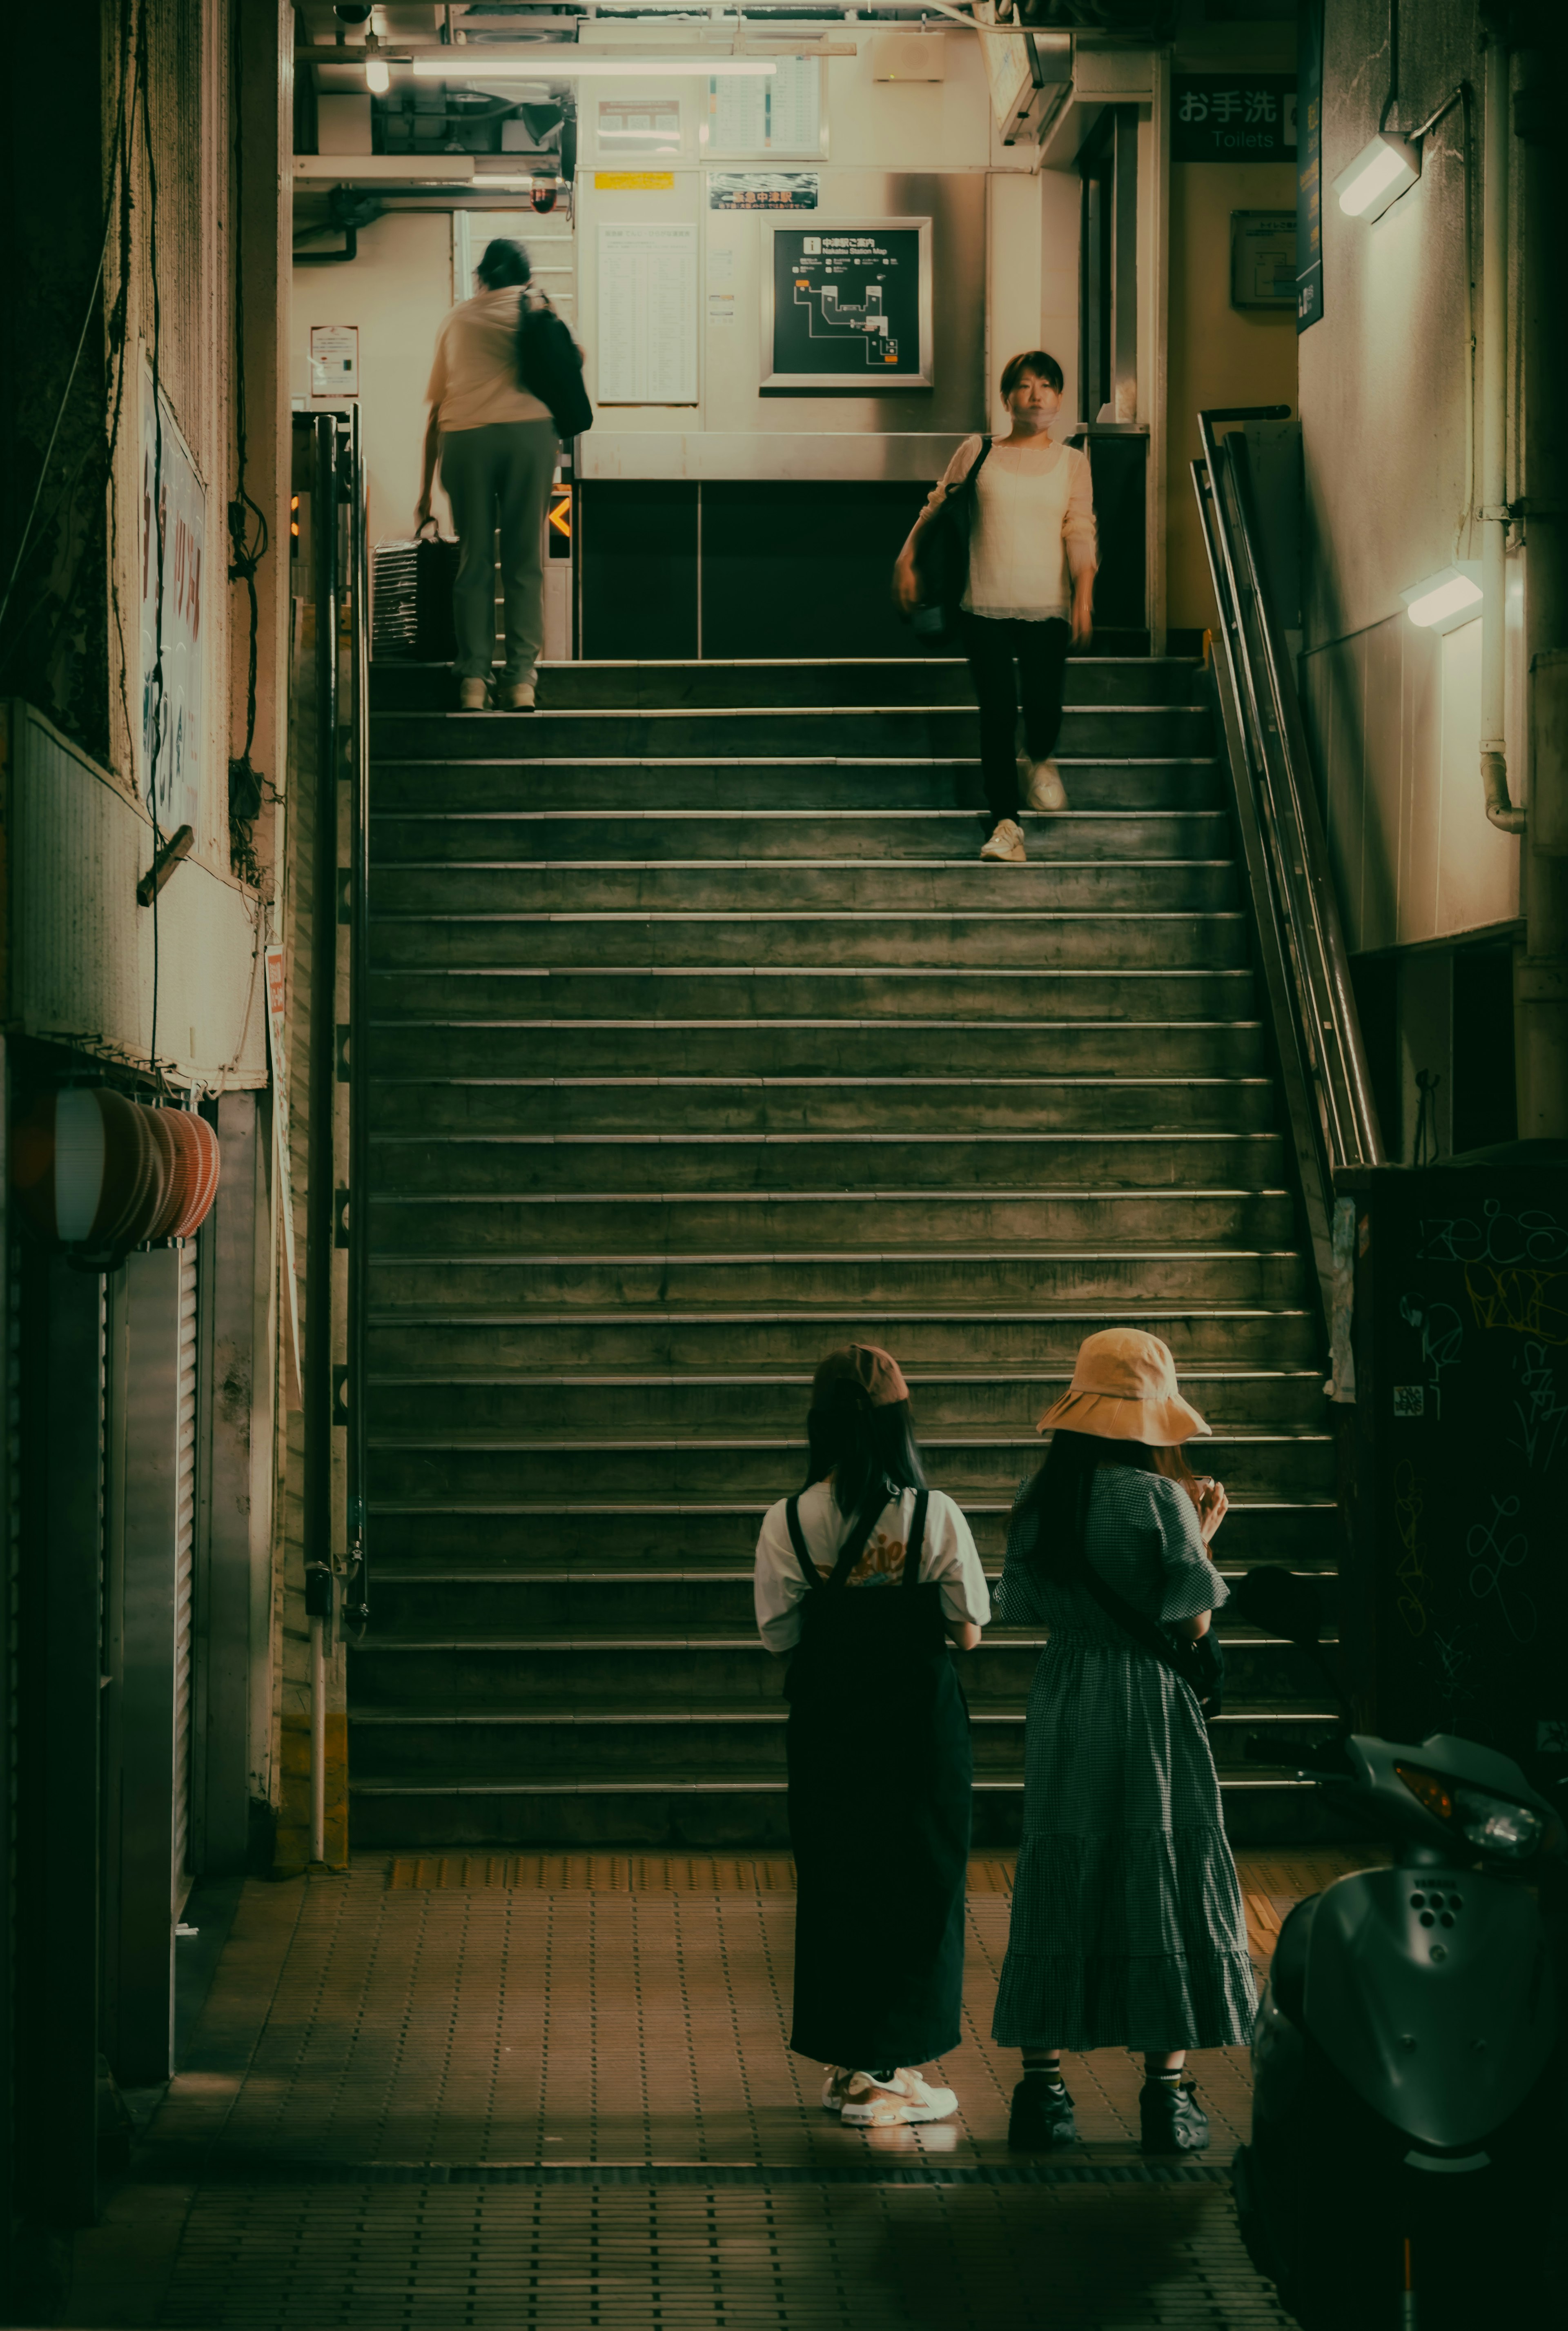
(647, 314)
(779, 112)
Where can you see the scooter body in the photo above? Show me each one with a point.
(1409, 2107)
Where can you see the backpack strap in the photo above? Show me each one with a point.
(797, 1540)
(916, 1547)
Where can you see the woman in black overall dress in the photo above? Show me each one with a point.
(864, 1577)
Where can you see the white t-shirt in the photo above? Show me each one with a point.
(947, 1553)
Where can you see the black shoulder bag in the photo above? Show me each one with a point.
(550, 366)
(942, 554)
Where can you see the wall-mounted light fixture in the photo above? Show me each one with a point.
(571, 64)
(1381, 173)
(377, 71)
(1443, 601)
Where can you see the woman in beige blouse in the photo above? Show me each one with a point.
(1030, 590)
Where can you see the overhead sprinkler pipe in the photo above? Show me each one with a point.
(1494, 485)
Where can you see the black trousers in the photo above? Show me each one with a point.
(994, 644)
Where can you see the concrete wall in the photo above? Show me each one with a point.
(396, 291)
(1385, 408)
(1219, 355)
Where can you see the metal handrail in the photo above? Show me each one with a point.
(357, 772)
(1305, 963)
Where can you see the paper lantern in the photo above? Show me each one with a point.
(191, 1149)
(100, 1174)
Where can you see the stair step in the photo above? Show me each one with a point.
(493, 779)
(890, 730)
(682, 1106)
(515, 1163)
(917, 680)
(406, 1225)
(460, 1050)
(469, 1466)
(1027, 937)
(890, 837)
(526, 1534)
(892, 992)
(1278, 1400)
(504, 1291)
(715, 888)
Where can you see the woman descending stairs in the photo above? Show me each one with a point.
(702, 1043)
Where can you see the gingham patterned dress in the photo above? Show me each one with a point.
(1127, 1928)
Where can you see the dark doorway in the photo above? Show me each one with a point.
(1484, 1101)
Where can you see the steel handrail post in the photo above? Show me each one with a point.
(356, 1593)
(1321, 898)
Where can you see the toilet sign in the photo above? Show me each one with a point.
(1234, 117)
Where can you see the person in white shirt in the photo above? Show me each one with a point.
(497, 447)
(1029, 595)
(864, 1578)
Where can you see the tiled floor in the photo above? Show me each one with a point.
(400, 2090)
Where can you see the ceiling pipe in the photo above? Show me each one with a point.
(1502, 812)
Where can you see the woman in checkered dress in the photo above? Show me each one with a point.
(1127, 1928)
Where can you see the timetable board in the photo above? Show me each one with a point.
(846, 306)
(647, 310)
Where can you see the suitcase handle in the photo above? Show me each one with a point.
(436, 537)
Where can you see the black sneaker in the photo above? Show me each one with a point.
(1171, 2120)
(1041, 2117)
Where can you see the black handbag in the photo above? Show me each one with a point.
(435, 562)
(550, 366)
(942, 555)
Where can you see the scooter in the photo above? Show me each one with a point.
(1410, 2101)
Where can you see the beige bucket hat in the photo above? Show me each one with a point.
(1124, 1388)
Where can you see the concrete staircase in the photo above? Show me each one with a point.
(703, 1042)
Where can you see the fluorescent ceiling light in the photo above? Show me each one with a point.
(1444, 601)
(541, 64)
(1380, 174)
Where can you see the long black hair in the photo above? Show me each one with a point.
(871, 1452)
(1053, 1505)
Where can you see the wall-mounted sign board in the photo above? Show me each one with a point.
(779, 112)
(639, 125)
(847, 305)
(1263, 259)
(334, 360)
(647, 313)
(1235, 117)
(763, 190)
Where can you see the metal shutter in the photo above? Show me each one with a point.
(184, 1565)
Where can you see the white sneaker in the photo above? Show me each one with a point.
(473, 695)
(518, 696)
(1006, 844)
(833, 2086)
(1045, 789)
(888, 2103)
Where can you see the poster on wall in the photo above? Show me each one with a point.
(1309, 167)
(172, 653)
(1236, 117)
(334, 360)
(848, 306)
(779, 112)
(640, 126)
(647, 313)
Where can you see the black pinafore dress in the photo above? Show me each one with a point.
(880, 1773)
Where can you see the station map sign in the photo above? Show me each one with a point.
(848, 307)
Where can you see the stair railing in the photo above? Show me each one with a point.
(355, 913)
(1302, 955)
